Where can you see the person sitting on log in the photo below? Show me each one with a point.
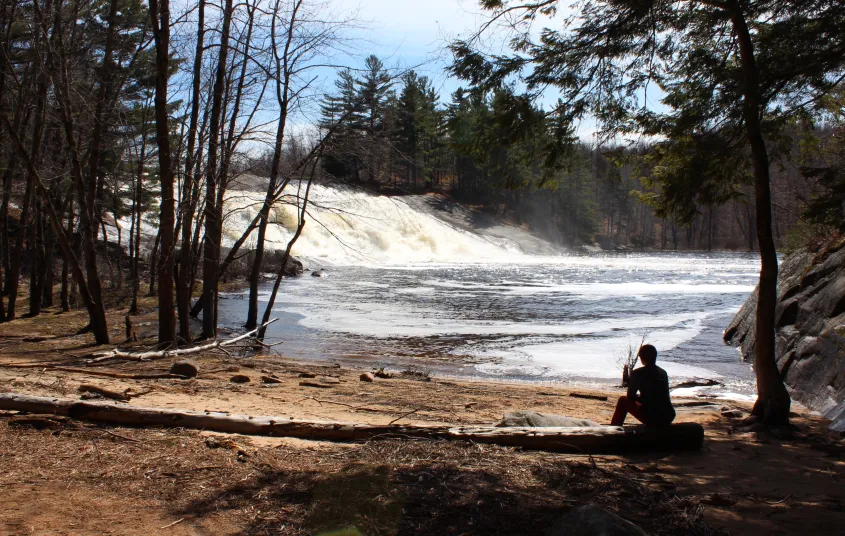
(648, 393)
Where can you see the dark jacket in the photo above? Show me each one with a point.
(649, 385)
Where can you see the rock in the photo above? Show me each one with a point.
(535, 419)
(307, 375)
(697, 382)
(329, 379)
(240, 378)
(383, 374)
(270, 379)
(293, 267)
(593, 520)
(367, 377)
(319, 273)
(810, 336)
(733, 414)
(186, 368)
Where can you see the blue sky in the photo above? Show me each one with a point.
(413, 33)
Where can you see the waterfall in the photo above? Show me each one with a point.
(347, 226)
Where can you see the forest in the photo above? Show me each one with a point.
(681, 162)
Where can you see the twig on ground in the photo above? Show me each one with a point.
(403, 416)
(172, 524)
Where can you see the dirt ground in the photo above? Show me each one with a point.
(78, 478)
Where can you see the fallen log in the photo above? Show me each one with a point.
(105, 374)
(161, 354)
(597, 439)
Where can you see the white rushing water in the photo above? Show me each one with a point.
(411, 286)
(346, 226)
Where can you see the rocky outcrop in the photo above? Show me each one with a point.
(810, 323)
(293, 267)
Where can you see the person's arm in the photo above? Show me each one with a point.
(633, 386)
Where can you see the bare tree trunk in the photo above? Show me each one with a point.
(213, 211)
(281, 273)
(773, 401)
(160, 11)
(283, 98)
(135, 214)
(189, 188)
(65, 294)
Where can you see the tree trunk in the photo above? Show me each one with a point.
(137, 210)
(160, 11)
(282, 97)
(65, 294)
(214, 210)
(773, 401)
(189, 188)
(271, 301)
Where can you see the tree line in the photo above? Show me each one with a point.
(399, 136)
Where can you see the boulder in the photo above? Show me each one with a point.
(319, 273)
(593, 520)
(367, 377)
(240, 378)
(535, 419)
(293, 267)
(186, 368)
(810, 321)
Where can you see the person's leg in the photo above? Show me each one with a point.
(621, 412)
(636, 410)
(623, 408)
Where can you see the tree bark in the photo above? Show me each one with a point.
(160, 11)
(773, 401)
(213, 210)
(189, 188)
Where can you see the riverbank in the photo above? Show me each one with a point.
(142, 480)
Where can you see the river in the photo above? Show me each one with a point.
(547, 319)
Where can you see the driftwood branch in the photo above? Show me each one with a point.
(102, 373)
(611, 439)
(161, 354)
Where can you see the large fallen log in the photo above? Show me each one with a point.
(595, 439)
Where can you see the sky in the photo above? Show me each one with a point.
(414, 33)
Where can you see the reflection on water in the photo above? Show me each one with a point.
(539, 318)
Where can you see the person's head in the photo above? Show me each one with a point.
(648, 354)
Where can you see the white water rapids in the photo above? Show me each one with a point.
(422, 282)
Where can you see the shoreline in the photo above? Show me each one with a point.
(741, 482)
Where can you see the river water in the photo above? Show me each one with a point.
(520, 317)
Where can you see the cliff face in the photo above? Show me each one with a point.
(810, 329)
